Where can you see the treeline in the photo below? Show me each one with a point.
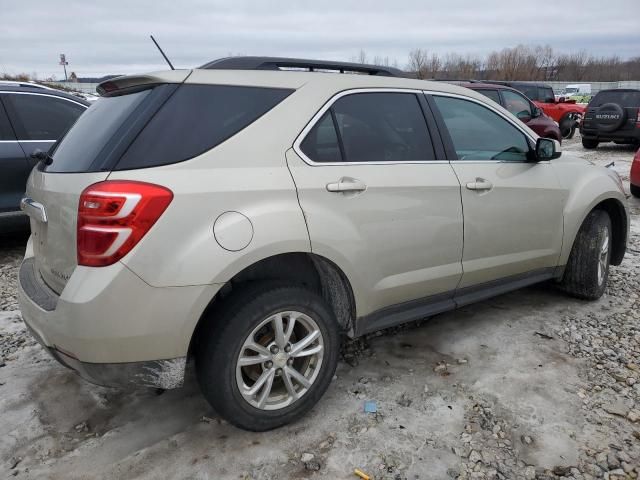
(519, 63)
(524, 63)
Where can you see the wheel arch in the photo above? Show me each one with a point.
(313, 271)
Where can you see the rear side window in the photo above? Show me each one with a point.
(545, 94)
(321, 143)
(492, 94)
(41, 117)
(80, 147)
(371, 127)
(195, 119)
(6, 133)
(628, 98)
(530, 91)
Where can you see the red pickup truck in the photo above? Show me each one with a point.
(567, 113)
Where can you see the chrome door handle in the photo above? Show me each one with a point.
(480, 184)
(33, 209)
(347, 184)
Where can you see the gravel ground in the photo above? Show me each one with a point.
(529, 385)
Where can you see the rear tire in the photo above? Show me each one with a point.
(635, 190)
(587, 271)
(242, 347)
(590, 144)
(568, 127)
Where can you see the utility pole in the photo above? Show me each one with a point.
(64, 63)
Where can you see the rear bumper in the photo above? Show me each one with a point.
(627, 136)
(112, 327)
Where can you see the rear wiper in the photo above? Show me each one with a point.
(42, 156)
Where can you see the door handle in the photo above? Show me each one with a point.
(480, 184)
(346, 184)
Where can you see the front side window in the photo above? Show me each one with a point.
(371, 127)
(517, 104)
(478, 133)
(41, 117)
(546, 95)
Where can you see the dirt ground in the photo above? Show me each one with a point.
(531, 384)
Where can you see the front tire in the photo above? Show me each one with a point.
(269, 355)
(587, 271)
(590, 144)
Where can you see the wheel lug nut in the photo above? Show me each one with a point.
(268, 364)
(279, 371)
(274, 349)
(287, 348)
(290, 362)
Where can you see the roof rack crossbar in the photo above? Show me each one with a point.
(277, 63)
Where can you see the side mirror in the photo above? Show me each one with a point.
(537, 112)
(547, 149)
(562, 100)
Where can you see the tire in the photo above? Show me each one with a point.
(221, 345)
(568, 127)
(587, 270)
(590, 144)
(635, 190)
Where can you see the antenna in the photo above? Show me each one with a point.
(165, 57)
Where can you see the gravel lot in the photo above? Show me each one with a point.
(529, 385)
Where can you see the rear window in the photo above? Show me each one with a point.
(624, 98)
(195, 119)
(80, 147)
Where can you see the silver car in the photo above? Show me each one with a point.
(248, 213)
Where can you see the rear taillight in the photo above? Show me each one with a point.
(113, 216)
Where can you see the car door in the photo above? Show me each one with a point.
(513, 207)
(377, 200)
(39, 120)
(14, 168)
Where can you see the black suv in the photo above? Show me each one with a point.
(612, 116)
(30, 118)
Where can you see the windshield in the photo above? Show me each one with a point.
(82, 144)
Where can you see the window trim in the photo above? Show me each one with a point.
(319, 114)
(59, 97)
(517, 124)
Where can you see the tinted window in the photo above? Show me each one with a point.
(530, 91)
(516, 104)
(41, 117)
(80, 147)
(480, 134)
(492, 94)
(6, 133)
(195, 119)
(545, 94)
(629, 98)
(321, 143)
(382, 127)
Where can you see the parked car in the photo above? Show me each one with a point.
(566, 112)
(30, 118)
(612, 116)
(247, 217)
(634, 177)
(520, 106)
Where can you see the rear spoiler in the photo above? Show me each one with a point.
(114, 85)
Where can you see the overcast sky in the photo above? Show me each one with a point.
(113, 37)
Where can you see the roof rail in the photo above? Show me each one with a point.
(278, 63)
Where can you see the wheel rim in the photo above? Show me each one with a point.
(279, 360)
(603, 261)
